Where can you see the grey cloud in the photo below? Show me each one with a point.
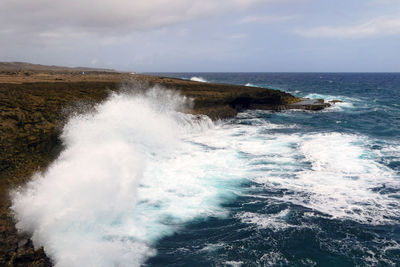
(107, 16)
(374, 27)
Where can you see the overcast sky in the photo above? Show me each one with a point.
(204, 35)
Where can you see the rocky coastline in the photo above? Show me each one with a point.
(34, 105)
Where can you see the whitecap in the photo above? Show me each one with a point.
(198, 79)
(251, 85)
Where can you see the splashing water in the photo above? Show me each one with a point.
(130, 174)
(198, 79)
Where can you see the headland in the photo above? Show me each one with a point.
(36, 101)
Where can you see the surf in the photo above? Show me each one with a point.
(133, 171)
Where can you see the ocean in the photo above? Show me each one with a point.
(142, 184)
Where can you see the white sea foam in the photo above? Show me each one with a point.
(132, 172)
(251, 85)
(198, 79)
(233, 263)
(212, 247)
(337, 176)
(346, 104)
(273, 258)
(344, 175)
(333, 173)
(271, 221)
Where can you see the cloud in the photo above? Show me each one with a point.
(235, 36)
(108, 16)
(265, 19)
(373, 27)
(382, 2)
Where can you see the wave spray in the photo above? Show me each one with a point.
(129, 175)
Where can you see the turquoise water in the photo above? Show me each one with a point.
(319, 188)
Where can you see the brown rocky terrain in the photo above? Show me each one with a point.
(14, 67)
(35, 102)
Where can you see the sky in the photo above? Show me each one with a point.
(204, 35)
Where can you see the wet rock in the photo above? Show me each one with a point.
(310, 104)
(335, 101)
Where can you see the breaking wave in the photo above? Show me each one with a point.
(250, 85)
(131, 173)
(198, 79)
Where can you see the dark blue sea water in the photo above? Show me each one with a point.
(317, 188)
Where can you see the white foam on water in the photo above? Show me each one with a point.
(346, 104)
(133, 171)
(198, 79)
(233, 263)
(261, 123)
(251, 85)
(273, 258)
(295, 92)
(262, 221)
(345, 174)
(338, 177)
(212, 247)
(391, 149)
(336, 174)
